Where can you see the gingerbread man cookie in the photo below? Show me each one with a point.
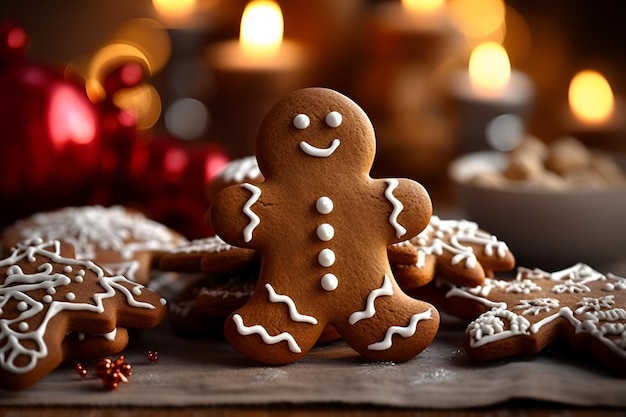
(322, 226)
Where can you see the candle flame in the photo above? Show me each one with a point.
(590, 97)
(422, 6)
(489, 69)
(174, 9)
(262, 26)
(477, 18)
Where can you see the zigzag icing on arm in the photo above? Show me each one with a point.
(293, 311)
(254, 219)
(370, 310)
(392, 184)
(267, 338)
(405, 332)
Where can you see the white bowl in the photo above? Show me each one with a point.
(544, 228)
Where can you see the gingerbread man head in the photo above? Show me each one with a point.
(322, 226)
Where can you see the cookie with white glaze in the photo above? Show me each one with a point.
(458, 251)
(579, 305)
(121, 240)
(315, 149)
(47, 294)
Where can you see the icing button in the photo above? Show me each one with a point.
(324, 205)
(325, 232)
(326, 257)
(329, 282)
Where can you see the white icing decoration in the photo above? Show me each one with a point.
(385, 289)
(240, 169)
(70, 296)
(462, 234)
(311, 150)
(329, 282)
(537, 305)
(406, 331)
(392, 184)
(267, 338)
(324, 205)
(301, 121)
(293, 310)
(19, 286)
(326, 257)
(333, 119)
(254, 219)
(325, 232)
(208, 244)
(91, 228)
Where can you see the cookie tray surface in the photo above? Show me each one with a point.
(208, 372)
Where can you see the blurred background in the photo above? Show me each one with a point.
(142, 102)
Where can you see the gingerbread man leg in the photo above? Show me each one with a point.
(258, 329)
(406, 327)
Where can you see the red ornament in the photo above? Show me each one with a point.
(50, 142)
(152, 356)
(80, 370)
(112, 373)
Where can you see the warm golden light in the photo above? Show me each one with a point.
(489, 69)
(420, 7)
(174, 9)
(477, 18)
(143, 102)
(105, 59)
(147, 35)
(261, 31)
(590, 97)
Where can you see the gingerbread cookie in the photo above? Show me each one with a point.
(46, 294)
(122, 241)
(240, 170)
(524, 315)
(210, 255)
(322, 226)
(455, 250)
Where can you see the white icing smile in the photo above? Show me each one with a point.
(311, 150)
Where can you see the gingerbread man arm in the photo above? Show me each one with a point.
(411, 207)
(239, 203)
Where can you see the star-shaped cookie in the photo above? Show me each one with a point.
(522, 316)
(47, 297)
(121, 240)
(456, 250)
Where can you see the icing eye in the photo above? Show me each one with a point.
(333, 119)
(301, 121)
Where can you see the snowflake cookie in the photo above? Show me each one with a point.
(121, 240)
(522, 316)
(49, 301)
(457, 250)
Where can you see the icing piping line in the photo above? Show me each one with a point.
(392, 184)
(254, 219)
(260, 330)
(370, 310)
(405, 332)
(293, 310)
(311, 150)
